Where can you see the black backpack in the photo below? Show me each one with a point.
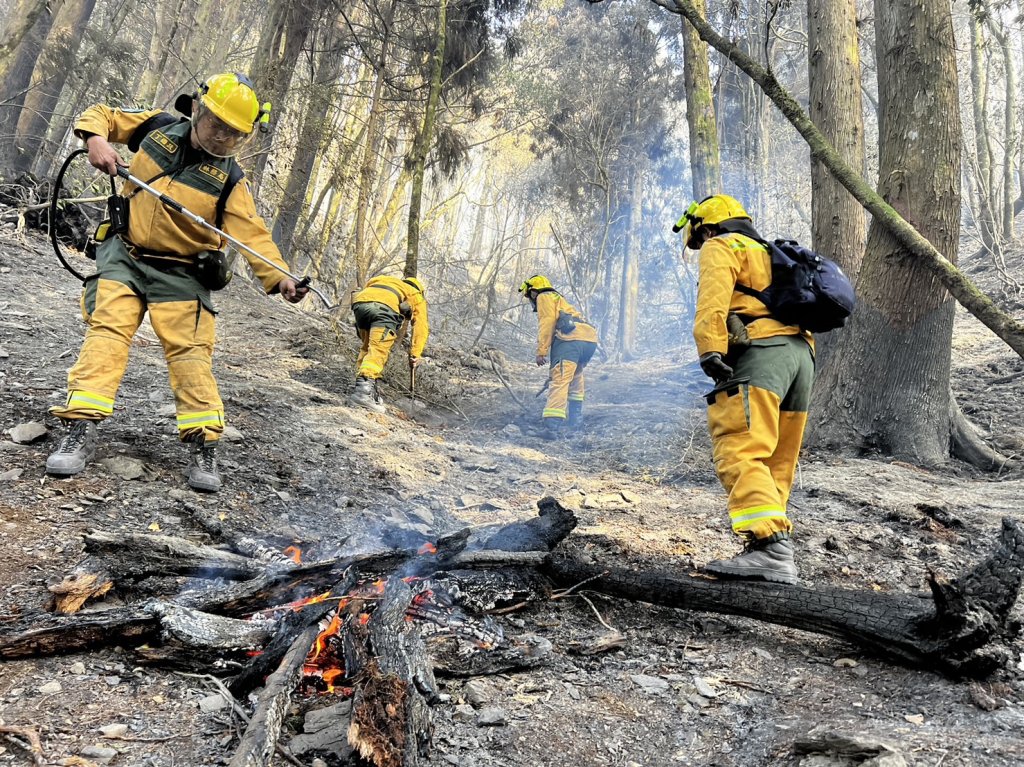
(807, 290)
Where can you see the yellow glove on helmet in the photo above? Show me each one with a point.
(711, 210)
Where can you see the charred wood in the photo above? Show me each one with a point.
(961, 630)
(292, 623)
(259, 740)
(391, 721)
(135, 555)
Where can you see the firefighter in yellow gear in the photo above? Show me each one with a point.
(763, 372)
(155, 264)
(380, 308)
(570, 341)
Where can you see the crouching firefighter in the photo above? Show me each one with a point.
(763, 371)
(571, 342)
(380, 309)
(152, 260)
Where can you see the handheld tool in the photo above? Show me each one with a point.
(177, 207)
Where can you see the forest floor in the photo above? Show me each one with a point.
(683, 689)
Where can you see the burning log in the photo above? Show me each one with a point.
(259, 741)
(391, 722)
(961, 629)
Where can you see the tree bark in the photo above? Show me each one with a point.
(900, 337)
(629, 293)
(421, 145)
(168, 16)
(23, 18)
(16, 66)
(54, 65)
(313, 126)
(705, 165)
(983, 161)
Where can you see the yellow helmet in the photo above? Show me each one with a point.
(416, 283)
(232, 98)
(536, 282)
(711, 210)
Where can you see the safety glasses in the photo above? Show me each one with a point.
(216, 137)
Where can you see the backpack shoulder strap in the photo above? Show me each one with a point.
(157, 121)
(235, 174)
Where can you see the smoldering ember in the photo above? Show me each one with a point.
(500, 384)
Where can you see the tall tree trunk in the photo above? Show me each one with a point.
(629, 294)
(51, 73)
(424, 139)
(23, 17)
(838, 226)
(1010, 131)
(20, 64)
(891, 390)
(317, 107)
(985, 213)
(705, 166)
(368, 166)
(275, 63)
(168, 18)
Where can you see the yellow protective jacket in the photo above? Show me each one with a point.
(383, 289)
(549, 305)
(197, 185)
(725, 261)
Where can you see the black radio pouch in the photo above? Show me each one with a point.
(212, 269)
(117, 210)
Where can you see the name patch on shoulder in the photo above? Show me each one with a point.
(169, 146)
(214, 172)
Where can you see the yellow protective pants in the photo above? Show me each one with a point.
(114, 310)
(568, 360)
(757, 423)
(375, 350)
(566, 383)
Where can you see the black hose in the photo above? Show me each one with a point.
(54, 199)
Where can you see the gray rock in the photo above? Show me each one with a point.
(100, 754)
(10, 476)
(27, 433)
(114, 730)
(325, 730)
(231, 434)
(492, 717)
(112, 681)
(124, 467)
(319, 763)
(703, 688)
(463, 713)
(477, 693)
(512, 430)
(50, 688)
(212, 703)
(77, 668)
(167, 411)
(652, 684)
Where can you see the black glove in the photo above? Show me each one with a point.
(714, 367)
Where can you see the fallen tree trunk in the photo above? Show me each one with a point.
(136, 555)
(959, 630)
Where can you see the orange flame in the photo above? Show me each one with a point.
(295, 553)
(427, 548)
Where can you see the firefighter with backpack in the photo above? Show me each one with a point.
(570, 341)
(763, 371)
(151, 260)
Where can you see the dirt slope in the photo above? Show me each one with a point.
(685, 689)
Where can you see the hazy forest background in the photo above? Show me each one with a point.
(473, 143)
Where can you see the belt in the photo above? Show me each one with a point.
(156, 258)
